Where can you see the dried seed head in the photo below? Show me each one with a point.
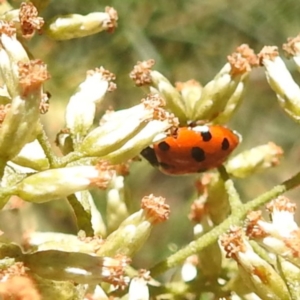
(233, 242)
(281, 204)
(155, 103)
(7, 28)
(253, 228)
(112, 22)
(29, 20)
(113, 269)
(292, 47)
(32, 75)
(242, 60)
(198, 210)
(268, 52)
(106, 173)
(16, 269)
(106, 75)
(155, 208)
(141, 72)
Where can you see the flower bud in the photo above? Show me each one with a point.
(111, 135)
(43, 241)
(143, 75)
(57, 183)
(81, 108)
(77, 26)
(134, 231)
(261, 277)
(281, 82)
(140, 141)
(32, 156)
(125, 128)
(254, 160)
(78, 267)
(221, 96)
(282, 235)
(23, 79)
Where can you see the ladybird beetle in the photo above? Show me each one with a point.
(192, 149)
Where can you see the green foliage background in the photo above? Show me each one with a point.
(188, 39)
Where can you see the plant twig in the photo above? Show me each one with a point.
(234, 219)
(83, 217)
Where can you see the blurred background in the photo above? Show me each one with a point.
(189, 40)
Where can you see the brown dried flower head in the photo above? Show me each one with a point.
(106, 75)
(7, 28)
(253, 229)
(16, 269)
(292, 47)
(243, 60)
(29, 20)
(267, 52)
(106, 173)
(198, 210)
(141, 73)
(112, 24)
(156, 103)
(155, 208)
(114, 269)
(233, 242)
(32, 75)
(281, 203)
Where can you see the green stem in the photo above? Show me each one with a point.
(71, 157)
(44, 142)
(194, 247)
(273, 193)
(83, 217)
(233, 196)
(5, 193)
(233, 220)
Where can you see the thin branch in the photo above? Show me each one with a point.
(234, 219)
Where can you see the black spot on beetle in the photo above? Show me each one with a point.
(225, 144)
(149, 154)
(198, 154)
(163, 146)
(206, 136)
